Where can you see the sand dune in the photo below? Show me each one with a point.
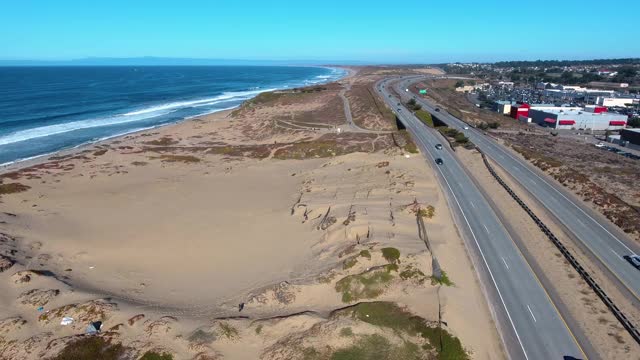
(162, 234)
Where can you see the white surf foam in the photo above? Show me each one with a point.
(200, 102)
(150, 112)
(48, 130)
(133, 116)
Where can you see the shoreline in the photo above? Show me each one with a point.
(40, 159)
(162, 234)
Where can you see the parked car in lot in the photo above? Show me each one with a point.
(439, 146)
(439, 161)
(633, 260)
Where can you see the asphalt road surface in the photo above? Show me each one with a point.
(530, 324)
(604, 240)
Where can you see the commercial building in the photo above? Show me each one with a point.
(597, 109)
(471, 88)
(632, 136)
(504, 107)
(519, 110)
(522, 109)
(572, 118)
(615, 102)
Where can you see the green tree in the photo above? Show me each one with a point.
(567, 77)
(626, 74)
(459, 83)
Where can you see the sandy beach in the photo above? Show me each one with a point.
(162, 234)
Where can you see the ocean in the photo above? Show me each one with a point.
(47, 109)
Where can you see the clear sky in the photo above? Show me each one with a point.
(336, 30)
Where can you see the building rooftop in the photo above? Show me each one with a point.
(573, 111)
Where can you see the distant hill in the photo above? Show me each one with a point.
(162, 61)
(559, 63)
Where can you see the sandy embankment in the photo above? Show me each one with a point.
(183, 223)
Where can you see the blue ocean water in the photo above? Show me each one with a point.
(46, 109)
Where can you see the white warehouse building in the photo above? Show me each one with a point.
(615, 102)
(562, 118)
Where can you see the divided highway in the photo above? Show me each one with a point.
(601, 238)
(530, 324)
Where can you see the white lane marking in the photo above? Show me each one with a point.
(618, 255)
(484, 259)
(472, 204)
(505, 263)
(501, 151)
(531, 312)
(485, 228)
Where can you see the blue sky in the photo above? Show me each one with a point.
(371, 30)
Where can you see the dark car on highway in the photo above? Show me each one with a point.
(633, 260)
(437, 109)
(439, 161)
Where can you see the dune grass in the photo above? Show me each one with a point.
(443, 280)
(363, 286)
(12, 188)
(390, 315)
(179, 158)
(391, 254)
(92, 347)
(228, 331)
(349, 263)
(412, 273)
(163, 141)
(152, 355)
(378, 347)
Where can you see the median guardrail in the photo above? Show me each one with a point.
(622, 318)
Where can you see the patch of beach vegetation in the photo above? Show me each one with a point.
(163, 141)
(442, 280)
(367, 285)
(411, 273)
(92, 347)
(227, 330)
(427, 212)
(346, 331)
(349, 263)
(152, 355)
(391, 254)
(329, 145)
(368, 110)
(352, 261)
(390, 315)
(378, 347)
(179, 158)
(403, 140)
(12, 188)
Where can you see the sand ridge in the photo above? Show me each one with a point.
(163, 233)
